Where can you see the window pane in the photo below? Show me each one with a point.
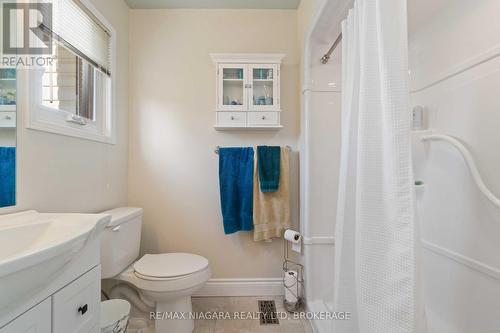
(86, 73)
(59, 81)
(69, 84)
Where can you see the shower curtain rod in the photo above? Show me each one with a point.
(326, 57)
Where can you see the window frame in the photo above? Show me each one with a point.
(42, 118)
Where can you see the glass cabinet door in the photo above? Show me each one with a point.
(264, 87)
(232, 90)
(8, 89)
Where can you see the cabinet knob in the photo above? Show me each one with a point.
(232, 117)
(263, 117)
(83, 309)
(8, 117)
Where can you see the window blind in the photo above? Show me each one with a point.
(80, 31)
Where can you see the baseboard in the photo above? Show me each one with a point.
(242, 287)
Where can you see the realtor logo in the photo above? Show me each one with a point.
(26, 28)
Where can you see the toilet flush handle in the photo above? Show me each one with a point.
(117, 228)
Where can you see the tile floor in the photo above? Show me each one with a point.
(246, 306)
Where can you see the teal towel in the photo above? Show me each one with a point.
(268, 161)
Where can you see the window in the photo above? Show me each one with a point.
(72, 95)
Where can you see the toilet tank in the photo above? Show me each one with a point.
(121, 240)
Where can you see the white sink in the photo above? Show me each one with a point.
(36, 247)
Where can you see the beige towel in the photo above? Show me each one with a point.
(271, 210)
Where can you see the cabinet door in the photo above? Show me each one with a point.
(76, 308)
(232, 91)
(37, 319)
(8, 89)
(264, 94)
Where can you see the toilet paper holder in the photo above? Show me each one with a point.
(296, 286)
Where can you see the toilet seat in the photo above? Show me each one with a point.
(172, 284)
(169, 265)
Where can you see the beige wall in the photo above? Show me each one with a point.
(58, 173)
(172, 166)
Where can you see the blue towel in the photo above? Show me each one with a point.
(268, 163)
(7, 176)
(236, 188)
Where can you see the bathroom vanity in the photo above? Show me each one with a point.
(248, 91)
(50, 273)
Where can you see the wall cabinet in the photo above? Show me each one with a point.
(248, 91)
(8, 90)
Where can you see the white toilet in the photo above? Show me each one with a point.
(165, 281)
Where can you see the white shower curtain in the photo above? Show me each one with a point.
(375, 232)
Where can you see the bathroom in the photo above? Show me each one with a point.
(123, 136)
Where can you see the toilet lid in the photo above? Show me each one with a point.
(167, 265)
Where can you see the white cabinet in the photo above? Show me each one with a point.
(8, 91)
(73, 309)
(35, 320)
(7, 119)
(232, 119)
(248, 91)
(76, 307)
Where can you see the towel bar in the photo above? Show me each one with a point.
(216, 150)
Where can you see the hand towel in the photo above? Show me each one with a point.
(271, 210)
(7, 176)
(236, 169)
(269, 168)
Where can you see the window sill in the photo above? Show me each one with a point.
(70, 130)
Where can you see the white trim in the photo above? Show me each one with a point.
(310, 88)
(451, 72)
(464, 260)
(326, 240)
(247, 58)
(327, 14)
(243, 287)
(37, 117)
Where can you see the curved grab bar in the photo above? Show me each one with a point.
(470, 163)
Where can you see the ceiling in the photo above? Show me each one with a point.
(226, 4)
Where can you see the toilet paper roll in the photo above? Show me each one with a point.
(292, 287)
(292, 236)
(295, 238)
